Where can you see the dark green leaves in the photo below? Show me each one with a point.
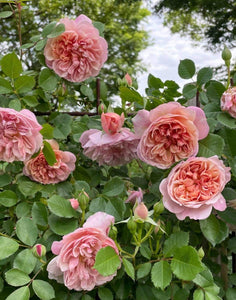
(49, 154)
(11, 65)
(7, 247)
(8, 198)
(186, 69)
(161, 274)
(130, 95)
(47, 80)
(22, 293)
(204, 75)
(176, 240)
(43, 289)
(61, 207)
(16, 277)
(26, 231)
(114, 187)
(212, 145)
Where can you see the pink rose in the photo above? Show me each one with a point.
(19, 134)
(128, 79)
(135, 196)
(194, 186)
(39, 170)
(141, 211)
(169, 133)
(76, 254)
(228, 101)
(110, 149)
(74, 203)
(112, 122)
(79, 52)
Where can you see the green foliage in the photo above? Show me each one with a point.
(7, 247)
(43, 289)
(161, 274)
(186, 69)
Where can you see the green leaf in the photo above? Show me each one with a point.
(22, 293)
(48, 28)
(215, 90)
(8, 198)
(15, 104)
(24, 84)
(43, 289)
(27, 46)
(229, 135)
(47, 80)
(5, 14)
(186, 69)
(105, 294)
(144, 270)
(198, 295)
(176, 240)
(62, 226)
(16, 277)
(100, 27)
(189, 90)
(5, 86)
(228, 215)
(225, 119)
(214, 230)
(40, 214)
(28, 187)
(47, 131)
(114, 187)
(49, 154)
(7, 247)
(231, 294)
(58, 30)
(30, 100)
(204, 278)
(107, 261)
(186, 263)
(25, 261)
(130, 95)
(116, 208)
(145, 251)
(154, 82)
(22, 210)
(145, 292)
(5, 179)
(129, 268)
(40, 44)
(11, 65)
(87, 91)
(204, 75)
(212, 145)
(26, 231)
(61, 207)
(62, 125)
(161, 274)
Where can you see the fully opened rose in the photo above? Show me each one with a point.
(228, 101)
(194, 186)
(39, 170)
(79, 52)
(169, 133)
(19, 134)
(76, 254)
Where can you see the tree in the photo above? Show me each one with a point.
(210, 20)
(122, 31)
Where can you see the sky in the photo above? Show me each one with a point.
(163, 56)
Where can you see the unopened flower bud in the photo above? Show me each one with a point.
(201, 253)
(113, 233)
(226, 55)
(141, 211)
(158, 208)
(128, 79)
(39, 250)
(83, 200)
(102, 108)
(132, 226)
(74, 203)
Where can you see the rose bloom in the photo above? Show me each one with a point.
(110, 149)
(228, 101)
(112, 122)
(76, 254)
(39, 170)
(169, 133)
(194, 186)
(79, 52)
(19, 134)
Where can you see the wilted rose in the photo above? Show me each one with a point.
(39, 170)
(135, 196)
(228, 101)
(169, 133)
(19, 134)
(79, 52)
(76, 254)
(194, 186)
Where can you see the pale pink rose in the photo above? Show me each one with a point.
(76, 252)
(19, 134)
(79, 52)
(141, 211)
(74, 203)
(135, 196)
(110, 149)
(39, 170)
(228, 101)
(112, 122)
(128, 79)
(169, 133)
(194, 186)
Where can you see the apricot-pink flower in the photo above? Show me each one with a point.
(19, 134)
(76, 252)
(39, 170)
(169, 133)
(79, 52)
(112, 122)
(228, 101)
(128, 79)
(110, 149)
(194, 186)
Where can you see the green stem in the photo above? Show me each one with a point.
(228, 79)
(7, 236)
(147, 234)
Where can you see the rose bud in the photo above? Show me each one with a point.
(132, 226)
(83, 200)
(141, 211)
(128, 79)
(39, 250)
(112, 122)
(74, 203)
